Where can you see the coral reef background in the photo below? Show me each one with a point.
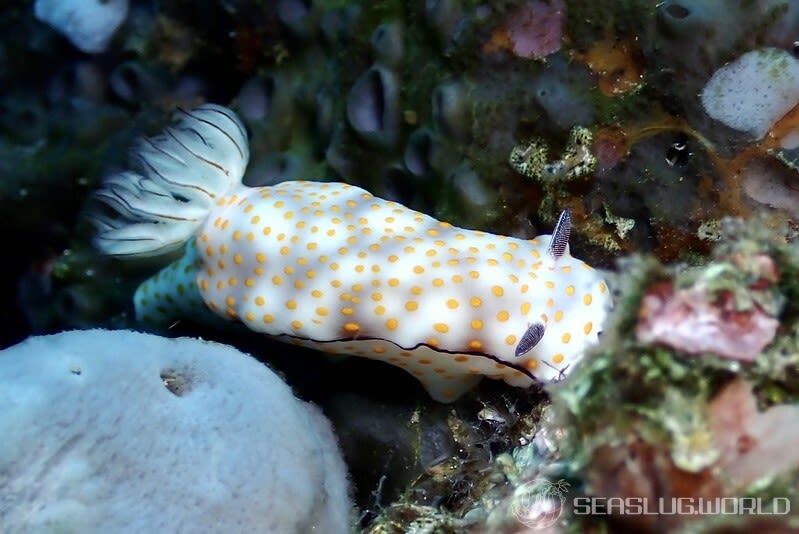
(421, 102)
(494, 116)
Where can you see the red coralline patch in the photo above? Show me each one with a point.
(645, 471)
(695, 321)
(610, 148)
(760, 266)
(532, 30)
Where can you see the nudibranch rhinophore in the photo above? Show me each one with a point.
(330, 266)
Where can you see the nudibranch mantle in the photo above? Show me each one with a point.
(330, 266)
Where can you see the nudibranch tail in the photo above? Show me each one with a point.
(182, 172)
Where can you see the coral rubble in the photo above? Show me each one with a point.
(650, 416)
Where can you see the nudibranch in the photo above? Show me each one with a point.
(330, 266)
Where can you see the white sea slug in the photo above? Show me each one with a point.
(330, 266)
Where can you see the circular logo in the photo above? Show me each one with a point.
(538, 503)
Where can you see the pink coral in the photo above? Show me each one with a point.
(693, 321)
(753, 444)
(535, 28)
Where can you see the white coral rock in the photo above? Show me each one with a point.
(117, 431)
(753, 92)
(88, 24)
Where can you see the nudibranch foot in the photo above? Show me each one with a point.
(441, 384)
(172, 293)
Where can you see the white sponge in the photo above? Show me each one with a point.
(754, 91)
(117, 431)
(88, 24)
